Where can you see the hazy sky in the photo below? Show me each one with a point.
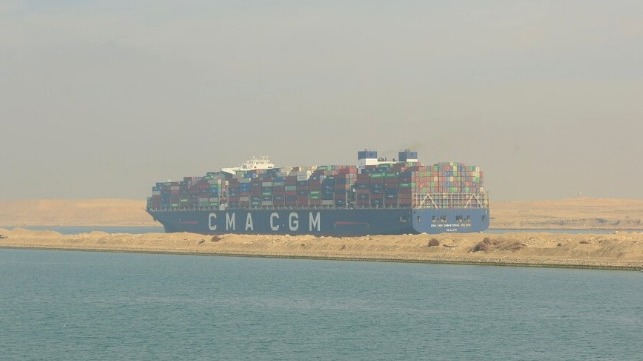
(104, 98)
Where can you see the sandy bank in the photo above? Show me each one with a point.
(611, 251)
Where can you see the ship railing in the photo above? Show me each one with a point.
(419, 200)
(351, 206)
(451, 200)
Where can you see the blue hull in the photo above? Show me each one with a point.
(325, 222)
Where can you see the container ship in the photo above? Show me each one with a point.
(376, 196)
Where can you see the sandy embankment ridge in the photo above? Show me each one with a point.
(622, 250)
(613, 251)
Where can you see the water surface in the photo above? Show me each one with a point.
(66, 305)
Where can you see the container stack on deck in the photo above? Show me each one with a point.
(401, 184)
(191, 192)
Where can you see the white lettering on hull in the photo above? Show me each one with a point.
(230, 222)
(314, 222)
(293, 222)
(274, 227)
(212, 220)
(249, 225)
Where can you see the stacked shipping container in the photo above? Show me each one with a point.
(385, 185)
(192, 192)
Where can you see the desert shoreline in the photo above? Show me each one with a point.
(318, 258)
(620, 251)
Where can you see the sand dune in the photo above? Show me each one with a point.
(572, 213)
(74, 212)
